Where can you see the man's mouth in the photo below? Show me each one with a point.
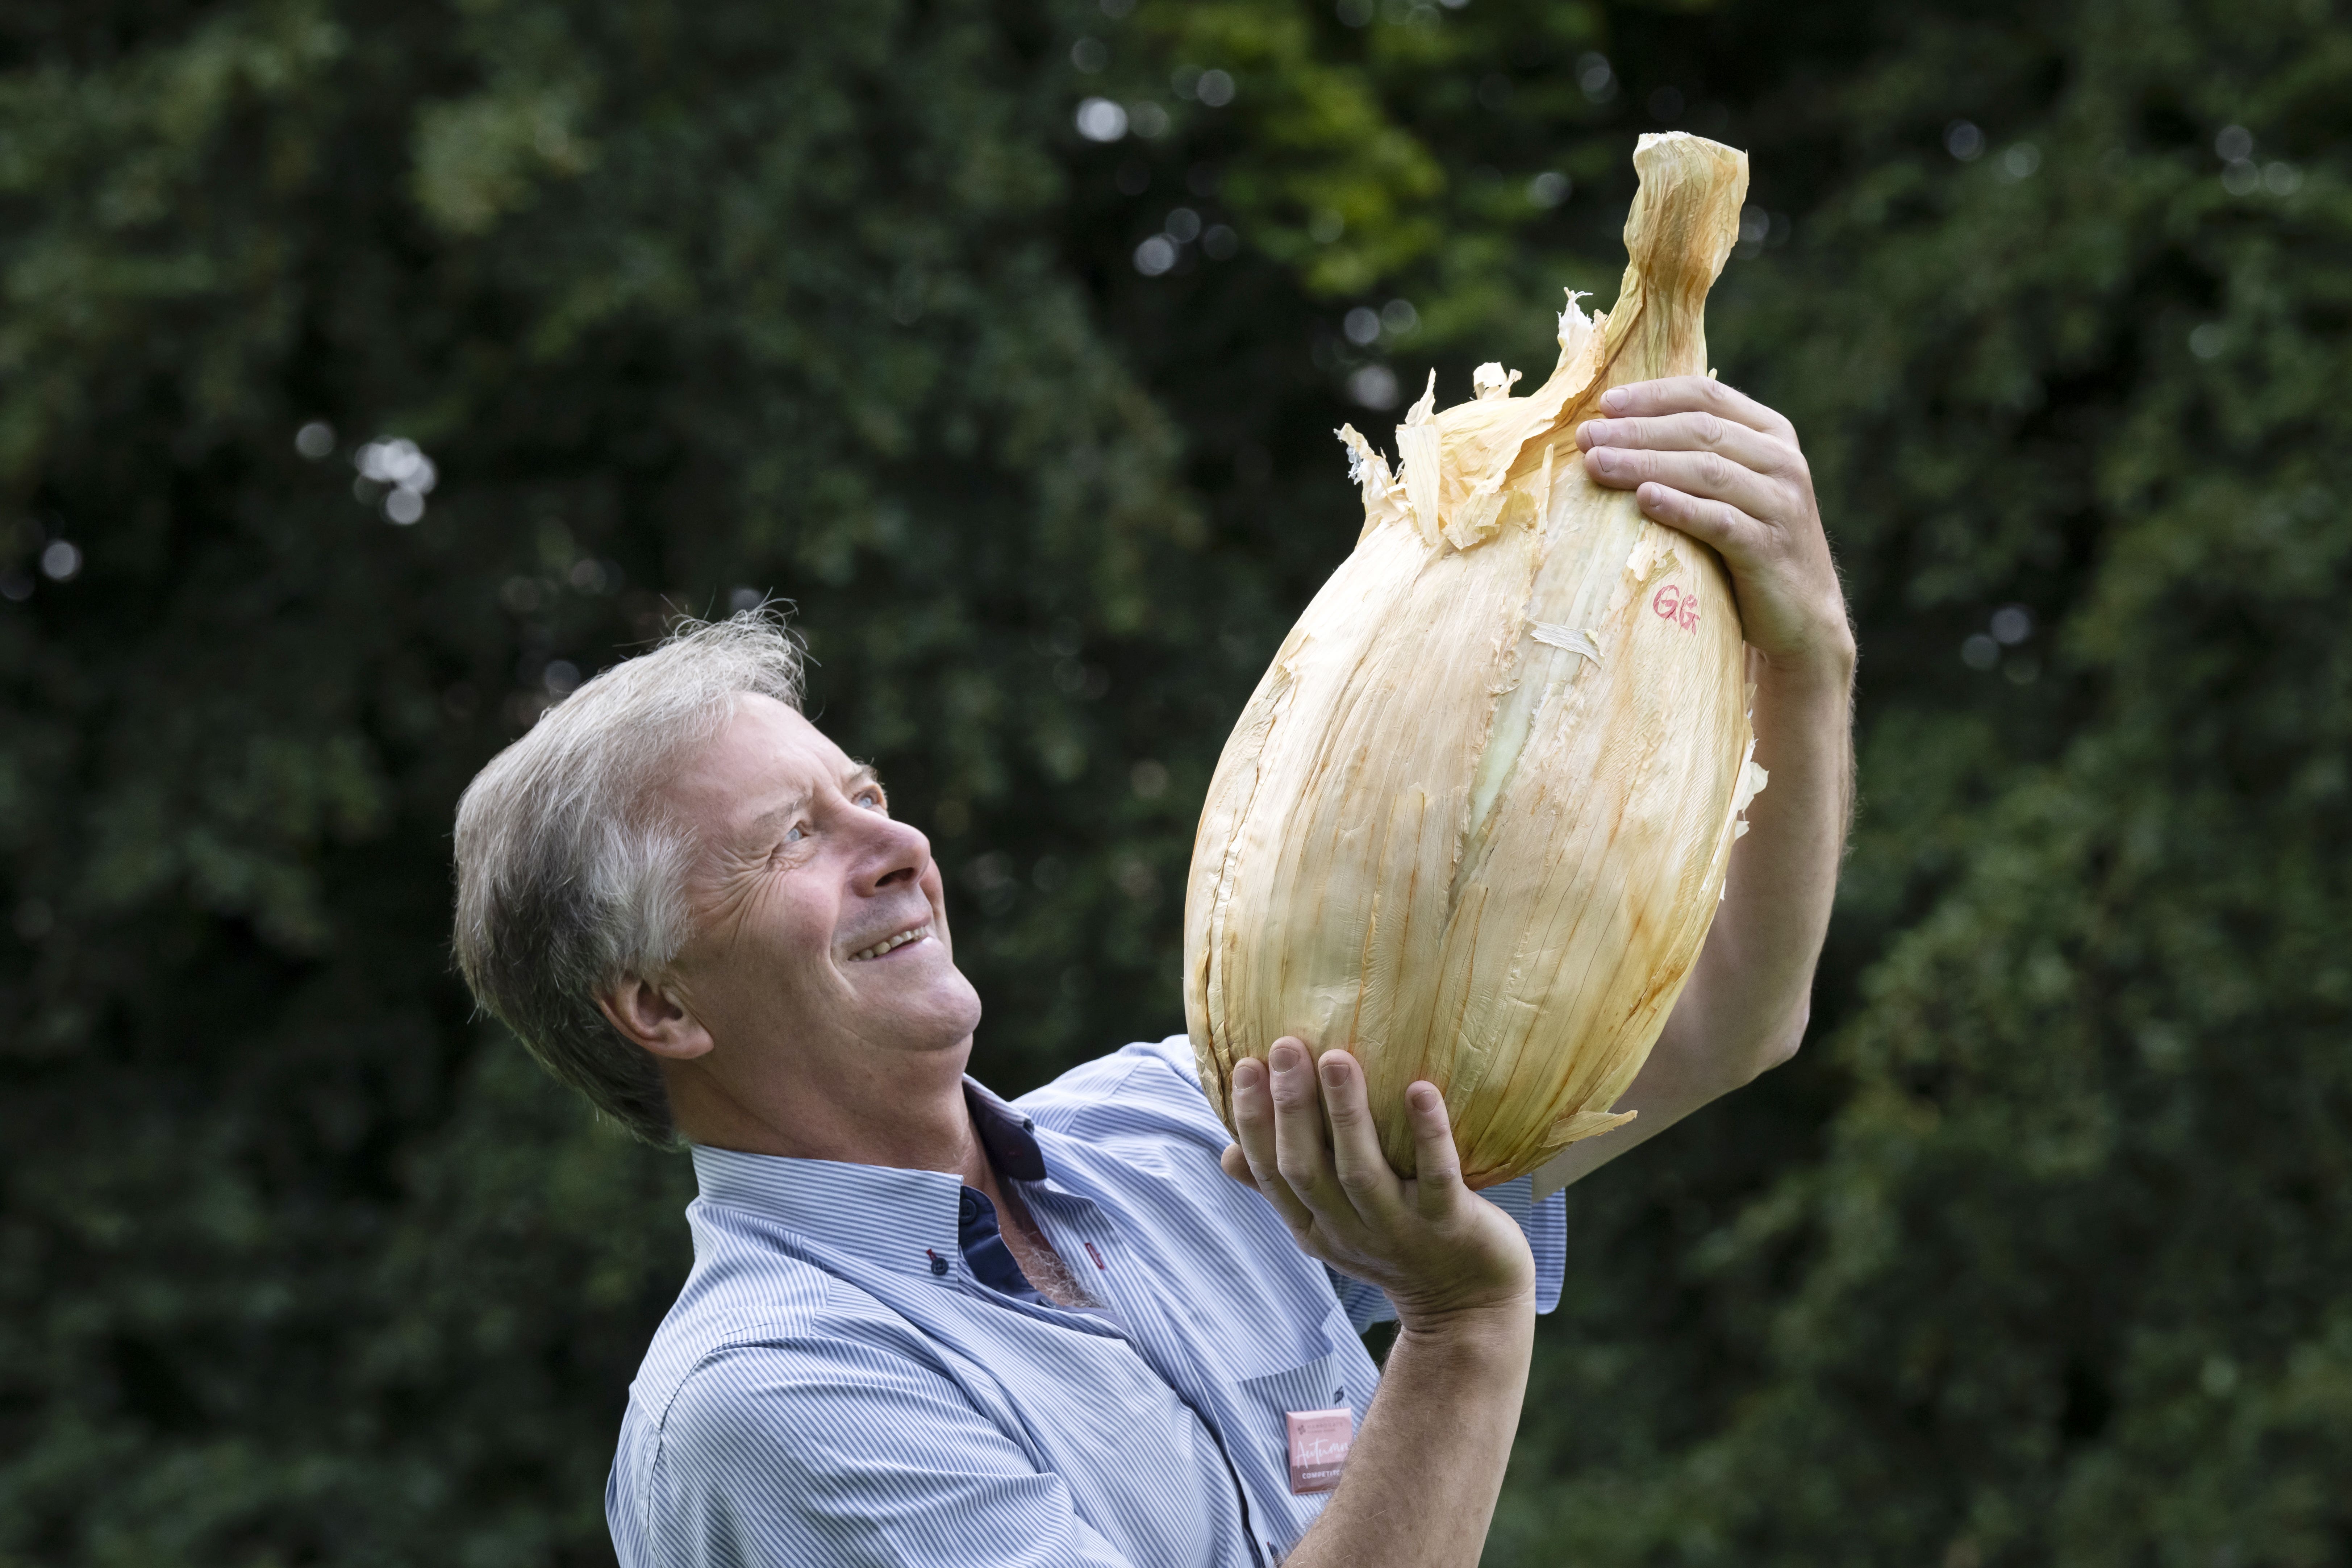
(891, 944)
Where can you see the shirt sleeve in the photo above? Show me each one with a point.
(826, 1452)
(1545, 1225)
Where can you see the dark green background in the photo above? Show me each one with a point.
(2040, 1252)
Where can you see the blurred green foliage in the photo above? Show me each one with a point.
(2039, 1253)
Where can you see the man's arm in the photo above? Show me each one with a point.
(1726, 470)
(1421, 1477)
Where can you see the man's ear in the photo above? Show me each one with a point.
(651, 1016)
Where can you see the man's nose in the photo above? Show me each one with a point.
(896, 853)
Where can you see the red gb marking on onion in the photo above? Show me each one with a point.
(1675, 606)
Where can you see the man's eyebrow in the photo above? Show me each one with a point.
(776, 815)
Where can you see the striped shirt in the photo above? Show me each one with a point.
(856, 1374)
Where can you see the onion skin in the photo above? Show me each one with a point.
(1474, 822)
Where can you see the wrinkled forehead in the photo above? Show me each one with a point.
(762, 756)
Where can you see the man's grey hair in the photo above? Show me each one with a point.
(570, 880)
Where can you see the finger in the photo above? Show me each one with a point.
(1301, 1156)
(1693, 432)
(1236, 1163)
(1437, 1178)
(1253, 1131)
(1357, 1162)
(1738, 536)
(1687, 393)
(1709, 475)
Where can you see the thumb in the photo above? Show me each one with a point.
(1437, 1181)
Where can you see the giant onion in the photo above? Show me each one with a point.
(1475, 821)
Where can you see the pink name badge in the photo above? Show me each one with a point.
(1318, 1447)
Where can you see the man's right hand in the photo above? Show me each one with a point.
(1438, 1249)
(1420, 1484)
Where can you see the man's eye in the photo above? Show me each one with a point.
(794, 834)
(872, 797)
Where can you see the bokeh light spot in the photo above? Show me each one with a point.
(1101, 120)
(1374, 386)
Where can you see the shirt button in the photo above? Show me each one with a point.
(938, 1264)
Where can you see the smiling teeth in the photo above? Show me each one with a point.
(901, 939)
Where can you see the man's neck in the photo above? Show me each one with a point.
(907, 1112)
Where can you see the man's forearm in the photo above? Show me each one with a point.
(1419, 1486)
(1754, 979)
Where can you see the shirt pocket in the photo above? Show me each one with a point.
(1317, 1384)
(1334, 1370)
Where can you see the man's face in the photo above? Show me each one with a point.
(821, 934)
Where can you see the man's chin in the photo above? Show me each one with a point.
(938, 1014)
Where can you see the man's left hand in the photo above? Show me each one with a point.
(1722, 467)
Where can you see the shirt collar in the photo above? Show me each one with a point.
(1010, 1137)
(898, 1218)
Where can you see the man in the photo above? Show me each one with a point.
(928, 1327)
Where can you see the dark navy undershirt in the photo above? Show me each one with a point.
(979, 1233)
(983, 1240)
